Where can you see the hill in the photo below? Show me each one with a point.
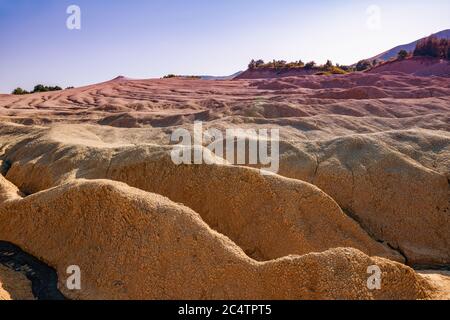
(392, 53)
(418, 66)
(87, 179)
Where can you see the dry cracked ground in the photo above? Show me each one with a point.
(87, 179)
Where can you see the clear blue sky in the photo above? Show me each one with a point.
(151, 38)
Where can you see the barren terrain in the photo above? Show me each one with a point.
(87, 179)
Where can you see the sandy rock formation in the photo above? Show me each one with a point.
(366, 159)
(8, 191)
(268, 216)
(419, 66)
(398, 199)
(133, 244)
(439, 280)
(371, 180)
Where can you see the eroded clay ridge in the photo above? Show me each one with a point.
(376, 193)
(165, 103)
(268, 216)
(364, 172)
(131, 244)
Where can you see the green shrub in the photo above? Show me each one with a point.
(363, 65)
(328, 65)
(310, 65)
(42, 88)
(346, 68)
(274, 64)
(337, 70)
(19, 91)
(39, 88)
(259, 63)
(402, 55)
(432, 47)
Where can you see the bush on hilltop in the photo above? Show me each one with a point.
(402, 55)
(19, 91)
(363, 65)
(327, 68)
(433, 47)
(37, 88)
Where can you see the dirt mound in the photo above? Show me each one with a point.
(159, 103)
(123, 241)
(418, 66)
(269, 217)
(372, 181)
(385, 190)
(268, 73)
(440, 280)
(364, 163)
(261, 214)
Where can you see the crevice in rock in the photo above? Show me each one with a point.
(316, 169)
(5, 165)
(25, 193)
(398, 249)
(355, 218)
(44, 279)
(437, 267)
